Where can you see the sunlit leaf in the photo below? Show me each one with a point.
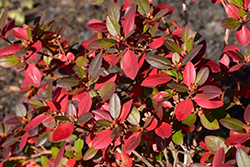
(130, 64)
(232, 123)
(115, 106)
(158, 61)
(134, 116)
(90, 153)
(214, 143)
(35, 122)
(183, 109)
(242, 158)
(209, 122)
(102, 139)
(177, 137)
(9, 60)
(143, 6)
(62, 132)
(164, 130)
(113, 26)
(107, 90)
(132, 142)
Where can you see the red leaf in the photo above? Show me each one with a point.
(242, 35)
(246, 3)
(96, 25)
(163, 6)
(206, 156)
(152, 125)
(110, 59)
(8, 27)
(208, 92)
(102, 80)
(51, 105)
(23, 141)
(235, 56)
(236, 67)
(8, 50)
(232, 11)
(209, 104)
(132, 142)
(62, 132)
(102, 139)
(125, 110)
(63, 57)
(59, 155)
(130, 64)
(231, 48)
(219, 158)
(70, 56)
(71, 162)
(156, 42)
(183, 109)
(160, 96)
(33, 75)
(84, 105)
(20, 33)
(237, 139)
(189, 74)
(164, 130)
(37, 46)
(35, 122)
(216, 1)
(155, 79)
(129, 20)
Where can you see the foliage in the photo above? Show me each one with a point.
(136, 89)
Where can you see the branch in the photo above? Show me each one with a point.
(142, 159)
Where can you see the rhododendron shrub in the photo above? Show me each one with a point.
(137, 92)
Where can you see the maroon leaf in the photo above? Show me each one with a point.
(183, 109)
(209, 104)
(20, 33)
(219, 158)
(8, 50)
(202, 76)
(102, 139)
(156, 42)
(62, 132)
(189, 74)
(208, 92)
(132, 142)
(102, 80)
(101, 114)
(35, 122)
(8, 27)
(33, 75)
(59, 155)
(190, 55)
(13, 121)
(84, 105)
(130, 64)
(156, 79)
(247, 114)
(129, 20)
(125, 110)
(164, 130)
(242, 35)
(237, 139)
(232, 11)
(161, 7)
(235, 56)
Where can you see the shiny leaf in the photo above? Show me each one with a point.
(214, 143)
(115, 106)
(183, 109)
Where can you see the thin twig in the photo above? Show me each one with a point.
(226, 37)
(48, 152)
(142, 159)
(166, 156)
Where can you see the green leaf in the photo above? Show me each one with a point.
(209, 122)
(177, 137)
(90, 153)
(248, 50)
(190, 120)
(104, 123)
(36, 103)
(9, 60)
(154, 29)
(95, 2)
(47, 59)
(145, 28)
(81, 61)
(69, 154)
(134, 116)
(158, 61)
(230, 23)
(102, 43)
(48, 25)
(242, 158)
(78, 145)
(241, 12)
(62, 118)
(67, 82)
(113, 10)
(44, 161)
(143, 6)
(55, 151)
(29, 33)
(187, 33)
(107, 90)
(232, 123)
(173, 47)
(190, 44)
(113, 26)
(81, 72)
(176, 57)
(214, 143)
(161, 13)
(238, 3)
(179, 87)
